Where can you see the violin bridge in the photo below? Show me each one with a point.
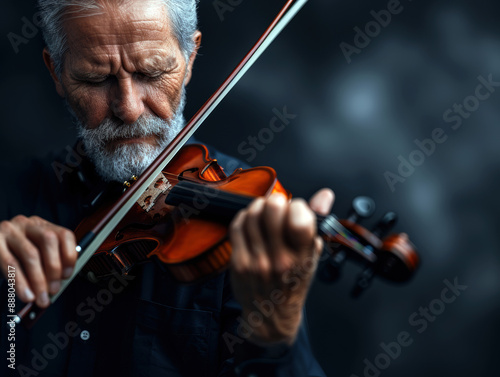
(149, 197)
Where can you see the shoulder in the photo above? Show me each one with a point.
(229, 163)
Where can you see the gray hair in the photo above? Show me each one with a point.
(182, 15)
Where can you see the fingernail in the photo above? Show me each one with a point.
(67, 272)
(29, 295)
(44, 299)
(301, 214)
(278, 197)
(54, 287)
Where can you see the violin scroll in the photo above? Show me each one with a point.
(392, 257)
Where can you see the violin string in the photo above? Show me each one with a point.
(231, 200)
(175, 177)
(243, 202)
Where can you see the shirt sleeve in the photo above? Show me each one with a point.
(242, 358)
(278, 361)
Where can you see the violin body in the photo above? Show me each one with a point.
(191, 245)
(186, 227)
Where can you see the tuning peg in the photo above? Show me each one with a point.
(385, 224)
(329, 271)
(362, 208)
(363, 282)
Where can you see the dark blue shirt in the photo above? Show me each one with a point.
(146, 324)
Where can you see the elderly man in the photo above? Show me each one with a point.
(121, 66)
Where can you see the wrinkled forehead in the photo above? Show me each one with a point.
(112, 25)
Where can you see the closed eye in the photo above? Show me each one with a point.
(98, 80)
(93, 80)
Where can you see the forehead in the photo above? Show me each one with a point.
(120, 34)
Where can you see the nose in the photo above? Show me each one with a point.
(127, 102)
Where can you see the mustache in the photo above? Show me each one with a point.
(111, 130)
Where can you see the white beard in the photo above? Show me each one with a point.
(129, 159)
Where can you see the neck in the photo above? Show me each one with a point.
(223, 206)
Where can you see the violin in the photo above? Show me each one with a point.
(183, 218)
(178, 210)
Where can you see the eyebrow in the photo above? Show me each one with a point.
(156, 64)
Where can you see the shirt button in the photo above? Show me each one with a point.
(84, 335)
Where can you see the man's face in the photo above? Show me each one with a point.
(123, 68)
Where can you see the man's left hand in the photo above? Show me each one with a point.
(275, 253)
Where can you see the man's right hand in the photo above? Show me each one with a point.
(42, 254)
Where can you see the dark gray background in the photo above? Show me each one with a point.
(353, 121)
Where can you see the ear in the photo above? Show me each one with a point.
(49, 63)
(197, 41)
